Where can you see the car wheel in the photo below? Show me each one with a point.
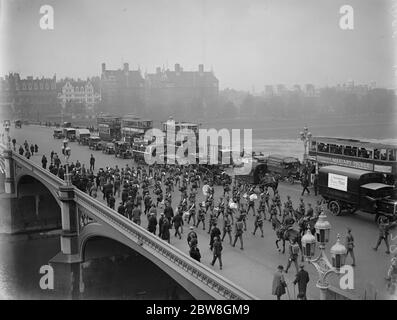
(291, 180)
(378, 218)
(335, 208)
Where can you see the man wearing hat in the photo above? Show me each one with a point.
(279, 284)
(302, 279)
(161, 222)
(191, 237)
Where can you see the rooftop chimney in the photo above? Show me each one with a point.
(103, 67)
(126, 67)
(201, 68)
(177, 67)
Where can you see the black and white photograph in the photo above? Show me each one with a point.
(199, 150)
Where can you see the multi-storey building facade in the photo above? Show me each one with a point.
(79, 92)
(122, 91)
(30, 98)
(181, 93)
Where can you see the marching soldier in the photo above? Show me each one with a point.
(239, 233)
(201, 216)
(277, 201)
(192, 213)
(384, 228)
(221, 207)
(258, 223)
(350, 245)
(262, 208)
(293, 256)
(215, 233)
(227, 228)
(213, 220)
(217, 252)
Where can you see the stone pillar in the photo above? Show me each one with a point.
(69, 237)
(67, 263)
(9, 183)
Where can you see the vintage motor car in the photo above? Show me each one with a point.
(70, 134)
(284, 167)
(58, 134)
(18, 124)
(108, 148)
(122, 150)
(348, 189)
(95, 143)
(82, 136)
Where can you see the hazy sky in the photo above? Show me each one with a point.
(248, 43)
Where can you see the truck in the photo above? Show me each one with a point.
(349, 189)
(82, 136)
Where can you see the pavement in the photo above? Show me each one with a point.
(253, 267)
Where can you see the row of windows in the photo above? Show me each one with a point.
(350, 151)
(35, 86)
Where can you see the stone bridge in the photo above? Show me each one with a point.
(35, 199)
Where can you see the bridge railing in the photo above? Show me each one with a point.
(182, 261)
(35, 168)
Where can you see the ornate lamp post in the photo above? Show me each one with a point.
(7, 125)
(305, 136)
(66, 151)
(321, 263)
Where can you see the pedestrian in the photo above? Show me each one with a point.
(152, 223)
(177, 220)
(217, 252)
(302, 279)
(136, 215)
(315, 184)
(111, 201)
(44, 162)
(165, 230)
(279, 284)
(195, 253)
(305, 185)
(201, 216)
(161, 222)
(191, 237)
(36, 148)
(293, 255)
(32, 149)
(239, 233)
(92, 163)
(350, 246)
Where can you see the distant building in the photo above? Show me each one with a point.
(30, 98)
(281, 89)
(80, 92)
(269, 92)
(180, 91)
(122, 91)
(310, 90)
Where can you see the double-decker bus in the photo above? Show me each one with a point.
(109, 127)
(133, 127)
(370, 156)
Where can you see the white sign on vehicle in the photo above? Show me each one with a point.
(336, 181)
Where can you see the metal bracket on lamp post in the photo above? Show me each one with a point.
(323, 267)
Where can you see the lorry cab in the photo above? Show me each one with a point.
(348, 189)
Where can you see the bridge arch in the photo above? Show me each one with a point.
(98, 230)
(24, 175)
(37, 205)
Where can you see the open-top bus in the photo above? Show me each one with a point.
(356, 154)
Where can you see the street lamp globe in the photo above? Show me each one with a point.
(308, 244)
(323, 228)
(338, 254)
(309, 135)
